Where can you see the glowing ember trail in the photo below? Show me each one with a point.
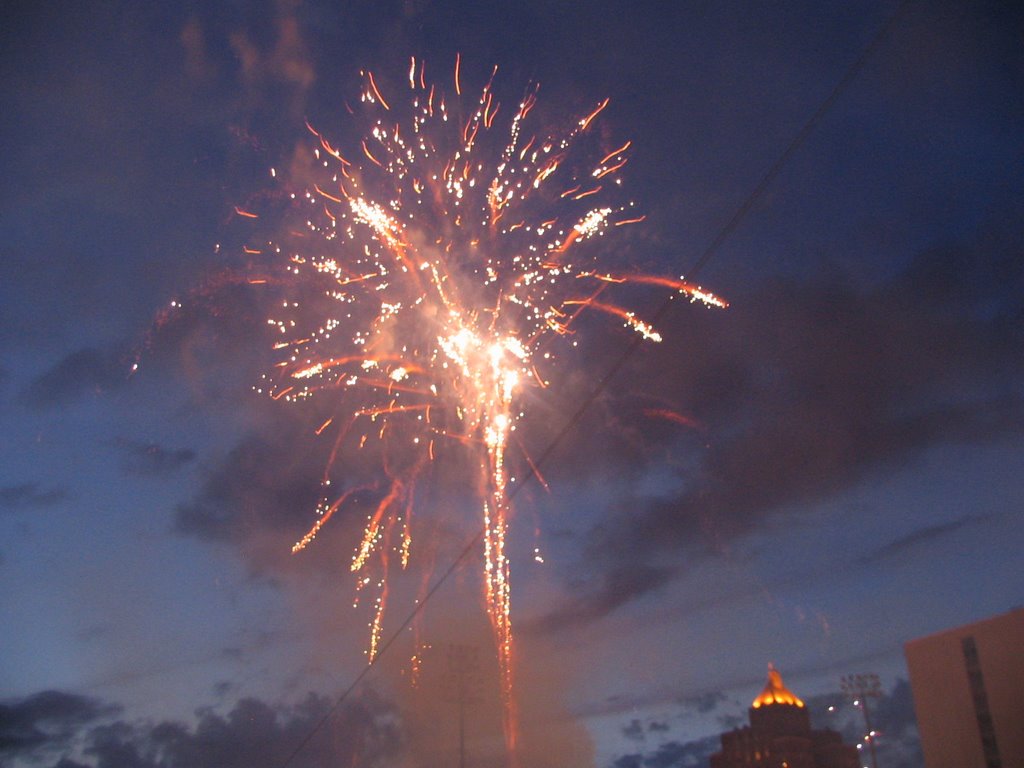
(442, 262)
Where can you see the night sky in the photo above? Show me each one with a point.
(847, 473)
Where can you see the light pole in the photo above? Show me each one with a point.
(461, 677)
(859, 688)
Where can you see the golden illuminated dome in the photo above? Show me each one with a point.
(775, 692)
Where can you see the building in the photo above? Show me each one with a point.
(967, 684)
(780, 736)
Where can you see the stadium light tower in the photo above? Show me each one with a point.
(859, 688)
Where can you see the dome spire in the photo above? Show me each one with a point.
(775, 692)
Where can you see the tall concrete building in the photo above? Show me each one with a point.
(967, 684)
(780, 736)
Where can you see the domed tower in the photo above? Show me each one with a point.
(777, 711)
(780, 736)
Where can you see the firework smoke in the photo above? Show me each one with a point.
(436, 270)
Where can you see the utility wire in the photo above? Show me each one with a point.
(729, 227)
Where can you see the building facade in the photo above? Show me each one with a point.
(780, 736)
(967, 684)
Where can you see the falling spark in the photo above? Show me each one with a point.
(446, 268)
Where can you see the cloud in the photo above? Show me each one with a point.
(619, 585)
(151, 459)
(252, 733)
(705, 702)
(634, 731)
(29, 495)
(728, 722)
(77, 374)
(672, 754)
(275, 71)
(262, 496)
(223, 688)
(807, 386)
(901, 546)
(47, 721)
(263, 483)
(900, 744)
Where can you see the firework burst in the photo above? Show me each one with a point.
(445, 260)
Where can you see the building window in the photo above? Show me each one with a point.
(981, 711)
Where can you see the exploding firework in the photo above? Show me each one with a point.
(445, 261)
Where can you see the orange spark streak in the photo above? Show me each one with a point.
(673, 416)
(336, 154)
(603, 277)
(612, 169)
(637, 220)
(366, 151)
(526, 149)
(358, 278)
(458, 60)
(585, 122)
(322, 521)
(533, 467)
(246, 214)
(378, 616)
(468, 137)
(372, 528)
(567, 243)
(588, 193)
(296, 342)
(324, 194)
(695, 292)
(546, 171)
(528, 104)
(373, 85)
(391, 386)
(612, 154)
(374, 412)
(407, 532)
(489, 120)
(630, 318)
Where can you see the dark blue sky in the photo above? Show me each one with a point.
(854, 480)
